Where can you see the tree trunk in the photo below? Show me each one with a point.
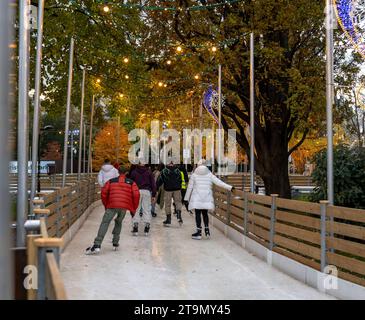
(272, 155)
(277, 179)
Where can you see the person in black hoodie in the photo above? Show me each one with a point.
(170, 178)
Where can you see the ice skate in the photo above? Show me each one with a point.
(207, 232)
(147, 229)
(95, 249)
(197, 235)
(179, 218)
(167, 222)
(115, 246)
(135, 229)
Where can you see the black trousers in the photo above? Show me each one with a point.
(198, 218)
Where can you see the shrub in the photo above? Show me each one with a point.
(349, 176)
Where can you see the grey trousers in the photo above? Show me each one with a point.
(176, 195)
(107, 218)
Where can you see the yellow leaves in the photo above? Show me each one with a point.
(108, 146)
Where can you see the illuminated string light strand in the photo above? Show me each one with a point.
(351, 17)
(167, 8)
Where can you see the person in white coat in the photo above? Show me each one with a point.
(107, 172)
(199, 196)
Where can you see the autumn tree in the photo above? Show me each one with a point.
(289, 72)
(108, 146)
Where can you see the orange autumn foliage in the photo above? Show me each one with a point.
(106, 145)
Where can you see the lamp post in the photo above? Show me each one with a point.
(41, 133)
(23, 116)
(329, 98)
(252, 114)
(68, 107)
(6, 258)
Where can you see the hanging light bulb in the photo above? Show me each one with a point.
(214, 49)
(121, 95)
(106, 9)
(125, 60)
(160, 84)
(178, 49)
(168, 62)
(98, 80)
(196, 77)
(126, 76)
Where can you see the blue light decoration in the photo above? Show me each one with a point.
(209, 101)
(351, 16)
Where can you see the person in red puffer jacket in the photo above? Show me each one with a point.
(118, 195)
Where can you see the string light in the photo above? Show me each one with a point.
(196, 77)
(121, 95)
(160, 84)
(214, 49)
(125, 60)
(192, 8)
(98, 80)
(168, 62)
(179, 49)
(106, 9)
(126, 76)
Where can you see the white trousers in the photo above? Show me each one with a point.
(145, 205)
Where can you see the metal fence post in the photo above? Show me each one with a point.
(58, 213)
(324, 205)
(273, 220)
(228, 207)
(41, 291)
(245, 214)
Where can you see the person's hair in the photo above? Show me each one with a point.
(122, 169)
(160, 167)
(106, 161)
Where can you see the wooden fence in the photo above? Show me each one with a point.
(48, 182)
(241, 180)
(64, 206)
(57, 212)
(314, 234)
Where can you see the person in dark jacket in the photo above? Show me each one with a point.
(146, 183)
(118, 195)
(170, 178)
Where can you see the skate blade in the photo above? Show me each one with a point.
(196, 238)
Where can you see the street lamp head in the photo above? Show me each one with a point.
(47, 128)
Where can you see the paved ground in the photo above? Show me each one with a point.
(170, 265)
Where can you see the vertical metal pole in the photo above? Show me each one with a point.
(329, 98)
(84, 147)
(118, 139)
(272, 220)
(252, 114)
(67, 123)
(41, 292)
(23, 114)
(81, 133)
(213, 159)
(245, 214)
(37, 93)
(6, 265)
(324, 205)
(219, 117)
(72, 151)
(89, 166)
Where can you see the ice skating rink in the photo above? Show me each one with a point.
(168, 264)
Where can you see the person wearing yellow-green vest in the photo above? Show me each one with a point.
(184, 182)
